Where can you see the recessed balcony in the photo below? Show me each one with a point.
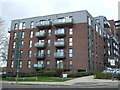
(59, 33)
(59, 55)
(40, 45)
(40, 34)
(63, 22)
(39, 56)
(59, 44)
(106, 24)
(38, 66)
(44, 24)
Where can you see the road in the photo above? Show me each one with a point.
(77, 85)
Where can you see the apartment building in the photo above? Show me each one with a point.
(72, 41)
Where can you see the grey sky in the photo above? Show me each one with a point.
(16, 9)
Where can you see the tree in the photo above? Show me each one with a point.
(3, 43)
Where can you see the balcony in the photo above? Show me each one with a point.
(59, 44)
(106, 24)
(44, 24)
(59, 33)
(40, 34)
(59, 55)
(39, 56)
(63, 22)
(40, 45)
(38, 66)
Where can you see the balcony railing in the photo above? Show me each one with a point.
(59, 55)
(40, 45)
(64, 21)
(44, 24)
(59, 33)
(40, 34)
(39, 56)
(59, 44)
(38, 66)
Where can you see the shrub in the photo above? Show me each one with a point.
(118, 76)
(100, 75)
(49, 73)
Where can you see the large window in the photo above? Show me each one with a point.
(30, 43)
(20, 44)
(89, 21)
(70, 64)
(21, 35)
(90, 65)
(29, 53)
(70, 41)
(48, 53)
(29, 63)
(49, 41)
(16, 26)
(12, 64)
(15, 35)
(19, 64)
(48, 64)
(31, 34)
(19, 53)
(89, 31)
(49, 32)
(89, 42)
(14, 44)
(23, 25)
(13, 54)
(40, 62)
(60, 64)
(89, 53)
(31, 24)
(70, 52)
(70, 31)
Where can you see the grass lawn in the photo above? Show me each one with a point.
(40, 79)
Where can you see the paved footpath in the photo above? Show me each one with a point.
(87, 79)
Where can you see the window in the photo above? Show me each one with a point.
(19, 53)
(70, 64)
(20, 44)
(89, 53)
(70, 52)
(89, 21)
(12, 64)
(15, 35)
(30, 43)
(60, 64)
(29, 63)
(20, 26)
(70, 41)
(19, 64)
(49, 32)
(70, 31)
(96, 27)
(89, 31)
(29, 53)
(21, 35)
(13, 54)
(31, 34)
(89, 42)
(48, 53)
(40, 62)
(90, 65)
(16, 26)
(48, 64)
(23, 25)
(40, 52)
(14, 44)
(31, 24)
(49, 41)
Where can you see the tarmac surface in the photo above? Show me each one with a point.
(81, 82)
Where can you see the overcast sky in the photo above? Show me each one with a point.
(18, 9)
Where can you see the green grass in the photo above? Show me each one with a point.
(40, 79)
